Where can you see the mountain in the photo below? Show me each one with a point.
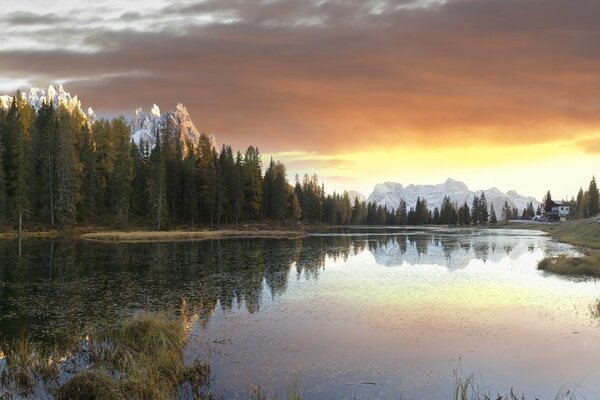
(58, 95)
(389, 194)
(178, 123)
(143, 127)
(353, 194)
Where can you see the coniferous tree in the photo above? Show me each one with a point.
(157, 191)
(67, 168)
(140, 154)
(89, 184)
(593, 198)
(547, 202)
(505, 213)
(207, 173)
(403, 214)
(493, 218)
(20, 175)
(3, 198)
(122, 173)
(476, 211)
(237, 192)
(294, 211)
(252, 182)
(44, 143)
(579, 204)
(483, 212)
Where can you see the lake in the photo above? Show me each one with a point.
(365, 313)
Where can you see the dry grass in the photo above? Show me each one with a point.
(141, 359)
(168, 236)
(52, 234)
(588, 265)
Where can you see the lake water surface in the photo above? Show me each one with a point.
(366, 313)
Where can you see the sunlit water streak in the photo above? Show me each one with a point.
(390, 321)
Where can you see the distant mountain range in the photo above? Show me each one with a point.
(390, 193)
(144, 124)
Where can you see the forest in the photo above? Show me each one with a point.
(59, 170)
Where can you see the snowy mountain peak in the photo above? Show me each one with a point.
(389, 194)
(36, 97)
(178, 123)
(154, 110)
(143, 126)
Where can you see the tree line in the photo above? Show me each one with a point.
(58, 169)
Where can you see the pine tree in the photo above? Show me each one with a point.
(88, 159)
(122, 174)
(252, 182)
(45, 145)
(140, 155)
(20, 175)
(403, 214)
(104, 144)
(476, 211)
(547, 202)
(593, 198)
(483, 209)
(579, 206)
(190, 188)
(3, 198)
(505, 213)
(157, 190)
(208, 179)
(67, 168)
(294, 211)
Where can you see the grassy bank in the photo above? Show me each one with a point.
(584, 233)
(168, 236)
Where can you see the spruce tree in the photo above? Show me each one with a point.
(88, 159)
(20, 176)
(67, 166)
(593, 200)
(580, 212)
(122, 173)
(505, 213)
(252, 182)
(208, 179)
(493, 218)
(547, 202)
(157, 191)
(3, 198)
(45, 146)
(483, 209)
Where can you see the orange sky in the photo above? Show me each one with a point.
(492, 92)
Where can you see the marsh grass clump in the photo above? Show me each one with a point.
(25, 367)
(587, 265)
(90, 385)
(143, 358)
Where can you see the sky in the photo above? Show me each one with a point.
(501, 93)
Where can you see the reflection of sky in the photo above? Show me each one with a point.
(406, 328)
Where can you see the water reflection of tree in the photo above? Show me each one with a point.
(56, 289)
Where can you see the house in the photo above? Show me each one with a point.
(561, 210)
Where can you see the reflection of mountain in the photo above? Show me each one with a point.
(449, 249)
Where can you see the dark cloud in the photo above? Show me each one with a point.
(28, 19)
(329, 75)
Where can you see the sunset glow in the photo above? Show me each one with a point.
(357, 92)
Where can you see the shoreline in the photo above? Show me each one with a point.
(181, 235)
